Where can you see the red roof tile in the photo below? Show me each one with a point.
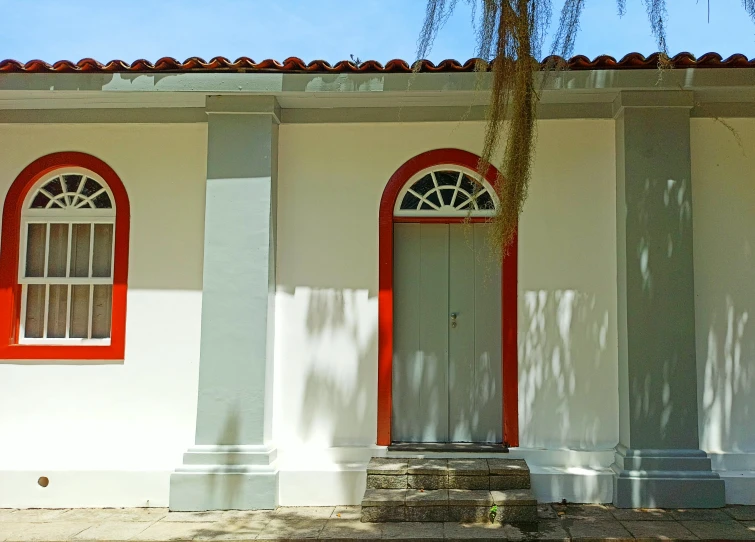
(296, 65)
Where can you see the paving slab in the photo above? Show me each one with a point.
(93, 515)
(112, 531)
(296, 513)
(642, 514)
(437, 497)
(384, 497)
(428, 466)
(456, 481)
(347, 512)
(597, 530)
(461, 497)
(237, 527)
(429, 532)
(383, 513)
(48, 532)
(474, 531)
(387, 465)
(741, 512)
(350, 529)
(514, 497)
(33, 515)
(427, 481)
(719, 530)
(546, 511)
(657, 530)
(468, 467)
(469, 514)
(386, 481)
(701, 514)
(426, 514)
(506, 467)
(585, 511)
(173, 531)
(280, 528)
(198, 517)
(547, 530)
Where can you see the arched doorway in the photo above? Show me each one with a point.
(447, 317)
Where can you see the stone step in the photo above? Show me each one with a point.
(460, 505)
(434, 474)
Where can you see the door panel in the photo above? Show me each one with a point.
(487, 331)
(421, 375)
(461, 344)
(446, 380)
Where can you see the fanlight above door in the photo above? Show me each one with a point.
(446, 191)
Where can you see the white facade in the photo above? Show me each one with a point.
(111, 433)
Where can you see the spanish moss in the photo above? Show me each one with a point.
(510, 39)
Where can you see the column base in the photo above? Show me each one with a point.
(225, 478)
(665, 479)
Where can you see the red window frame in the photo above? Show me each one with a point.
(10, 289)
(509, 357)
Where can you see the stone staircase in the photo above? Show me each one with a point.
(461, 490)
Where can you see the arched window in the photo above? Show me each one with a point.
(65, 261)
(451, 191)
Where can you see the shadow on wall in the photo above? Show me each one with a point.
(337, 393)
(729, 380)
(660, 312)
(565, 374)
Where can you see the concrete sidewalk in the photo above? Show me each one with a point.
(557, 522)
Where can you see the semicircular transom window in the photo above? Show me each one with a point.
(71, 191)
(446, 191)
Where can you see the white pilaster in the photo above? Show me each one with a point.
(232, 465)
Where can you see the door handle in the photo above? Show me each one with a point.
(453, 318)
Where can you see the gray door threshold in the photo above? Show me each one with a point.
(448, 447)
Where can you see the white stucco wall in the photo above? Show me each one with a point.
(110, 434)
(331, 178)
(723, 191)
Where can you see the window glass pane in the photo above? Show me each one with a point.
(102, 201)
(35, 311)
(103, 249)
(447, 178)
(58, 256)
(101, 306)
(40, 201)
(80, 250)
(35, 250)
(79, 311)
(410, 201)
(56, 313)
(424, 185)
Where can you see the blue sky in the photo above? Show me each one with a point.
(327, 29)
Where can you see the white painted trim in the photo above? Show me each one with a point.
(74, 213)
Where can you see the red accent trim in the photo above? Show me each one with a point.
(385, 296)
(10, 291)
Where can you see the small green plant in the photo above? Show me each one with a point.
(493, 513)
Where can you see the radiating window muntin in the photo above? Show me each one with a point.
(66, 260)
(446, 191)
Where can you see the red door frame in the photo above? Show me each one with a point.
(385, 296)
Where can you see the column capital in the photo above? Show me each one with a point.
(243, 105)
(666, 99)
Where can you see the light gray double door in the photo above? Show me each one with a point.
(446, 336)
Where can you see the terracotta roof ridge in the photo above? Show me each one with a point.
(297, 65)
